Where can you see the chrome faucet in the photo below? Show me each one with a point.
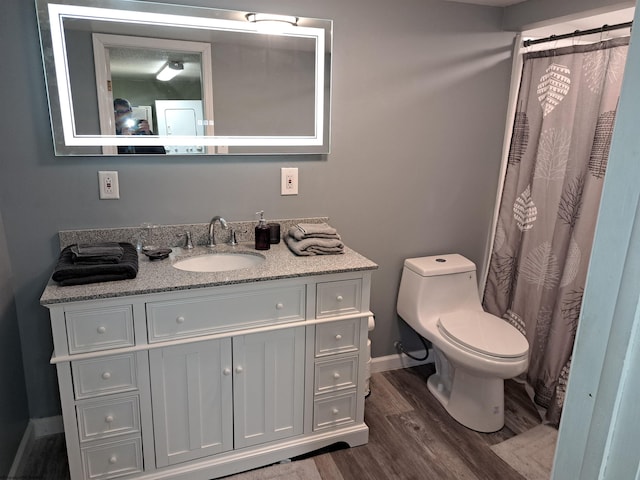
(212, 236)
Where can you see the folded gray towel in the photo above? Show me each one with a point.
(68, 272)
(314, 246)
(91, 253)
(99, 248)
(313, 230)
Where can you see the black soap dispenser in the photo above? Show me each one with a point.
(263, 235)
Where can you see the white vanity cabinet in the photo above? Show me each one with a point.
(207, 382)
(208, 400)
(192, 409)
(268, 386)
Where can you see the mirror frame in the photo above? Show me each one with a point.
(51, 15)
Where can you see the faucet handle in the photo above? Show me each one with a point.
(188, 244)
(233, 241)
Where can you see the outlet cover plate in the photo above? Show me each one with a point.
(109, 187)
(289, 181)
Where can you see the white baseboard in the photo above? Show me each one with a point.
(397, 361)
(36, 428)
(47, 426)
(27, 439)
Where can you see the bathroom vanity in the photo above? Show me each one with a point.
(184, 375)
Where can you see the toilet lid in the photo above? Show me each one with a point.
(484, 333)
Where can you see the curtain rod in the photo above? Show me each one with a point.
(577, 33)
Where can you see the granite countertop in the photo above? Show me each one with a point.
(155, 276)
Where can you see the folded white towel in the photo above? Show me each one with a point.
(314, 246)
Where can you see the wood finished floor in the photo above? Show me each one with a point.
(411, 438)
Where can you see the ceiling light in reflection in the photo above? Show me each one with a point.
(170, 70)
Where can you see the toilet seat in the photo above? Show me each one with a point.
(483, 333)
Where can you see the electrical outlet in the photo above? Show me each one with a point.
(109, 188)
(288, 181)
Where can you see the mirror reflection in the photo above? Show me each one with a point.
(183, 80)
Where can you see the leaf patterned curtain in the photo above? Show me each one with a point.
(556, 165)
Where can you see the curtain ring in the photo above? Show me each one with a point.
(554, 39)
(602, 31)
(576, 38)
(527, 46)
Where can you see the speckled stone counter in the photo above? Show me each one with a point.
(156, 276)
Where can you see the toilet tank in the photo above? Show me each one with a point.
(431, 286)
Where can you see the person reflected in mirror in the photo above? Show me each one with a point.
(127, 125)
(142, 128)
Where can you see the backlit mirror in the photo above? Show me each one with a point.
(138, 77)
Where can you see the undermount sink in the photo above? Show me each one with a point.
(219, 262)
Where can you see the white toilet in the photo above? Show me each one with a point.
(474, 350)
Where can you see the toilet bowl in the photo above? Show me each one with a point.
(474, 350)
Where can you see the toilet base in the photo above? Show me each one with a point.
(475, 402)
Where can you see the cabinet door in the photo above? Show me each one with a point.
(268, 386)
(192, 400)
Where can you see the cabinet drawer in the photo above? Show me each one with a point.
(108, 418)
(99, 329)
(338, 298)
(337, 337)
(333, 375)
(200, 316)
(112, 460)
(334, 411)
(100, 376)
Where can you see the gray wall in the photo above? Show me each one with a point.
(419, 102)
(14, 412)
(263, 91)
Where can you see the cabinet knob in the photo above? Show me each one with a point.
(279, 306)
(336, 375)
(226, 371)
(338, 337)
(180, 319)
(335, 411)
(113, 459)
(109, 419)
(239, 369)
(106, 375)
(339, 298)
(102, 329)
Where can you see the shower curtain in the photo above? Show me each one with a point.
(546, 220)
